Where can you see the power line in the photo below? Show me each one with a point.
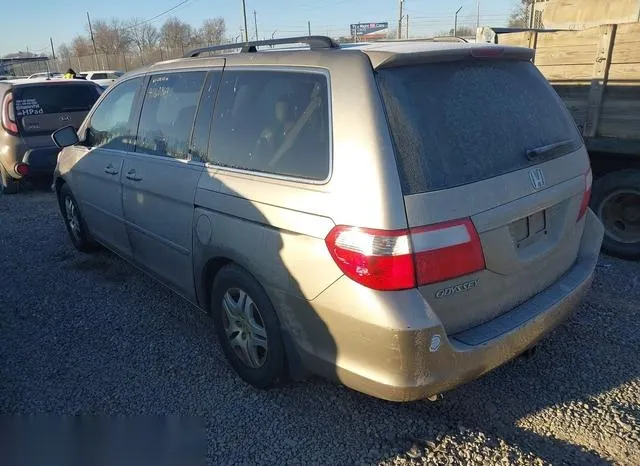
(159, 15)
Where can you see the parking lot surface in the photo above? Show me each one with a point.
(91, 334)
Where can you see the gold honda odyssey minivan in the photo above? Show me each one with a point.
(400, 217)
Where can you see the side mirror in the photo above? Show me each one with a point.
(65, 137)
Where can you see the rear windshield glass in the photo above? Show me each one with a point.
(459, 122)
(54, 98)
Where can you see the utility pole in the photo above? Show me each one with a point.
(401, 4)
(93, 41)
(53, 54)
(477, 16)
(244, 14)
(407, 27)
(255, 23)
(455, 23)
(309, 27)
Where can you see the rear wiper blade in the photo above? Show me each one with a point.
(551, 150)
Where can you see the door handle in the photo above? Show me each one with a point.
(110, 170)
(131, 175)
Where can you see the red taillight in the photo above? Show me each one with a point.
(447, 250)
(377, 259)
(9, 115)
(586, 197)
(22, 169)
(402, 259)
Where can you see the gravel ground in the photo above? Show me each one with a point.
(91, 334)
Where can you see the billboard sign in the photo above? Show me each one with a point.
(364, 29)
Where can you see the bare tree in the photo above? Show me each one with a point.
(81, 46)
(176, 34)
(144, 36)
(212, 31)
(64, 51)
(111, 38)
(151, 36)
(520, 16)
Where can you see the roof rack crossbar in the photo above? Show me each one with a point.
(314, 42)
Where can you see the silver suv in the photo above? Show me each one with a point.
(401, 217)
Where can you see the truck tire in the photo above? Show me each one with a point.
(615, 199)
(7, 184)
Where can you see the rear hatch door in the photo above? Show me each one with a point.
(42, 108)
(488, 140)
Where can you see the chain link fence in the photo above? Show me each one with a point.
(123, 61)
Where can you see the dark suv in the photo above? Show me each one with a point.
(31, 110)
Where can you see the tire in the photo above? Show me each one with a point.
(615, 199)
(8, 185)
(76, 227)
(263, 364)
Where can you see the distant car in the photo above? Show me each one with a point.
(102, 78)
(31, 110)
(45, 74)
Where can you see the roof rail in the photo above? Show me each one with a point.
(314, 42)
(426, 39)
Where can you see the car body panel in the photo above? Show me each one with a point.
(95, 176)
(394, 346)
(157, 199)
(516, 268)
(276, 240)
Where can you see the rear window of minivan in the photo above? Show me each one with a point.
(54, 98)
(455, 123)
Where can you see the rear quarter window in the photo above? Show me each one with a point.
(274, 122)
(460, 122)
(53, 98)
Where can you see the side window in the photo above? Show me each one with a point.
(99, 76)
(168, 112)
(274, 122)
(113, 123)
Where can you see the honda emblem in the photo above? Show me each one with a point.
(537, 178)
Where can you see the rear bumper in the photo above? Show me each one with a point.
(404, 361)
(42, 161)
